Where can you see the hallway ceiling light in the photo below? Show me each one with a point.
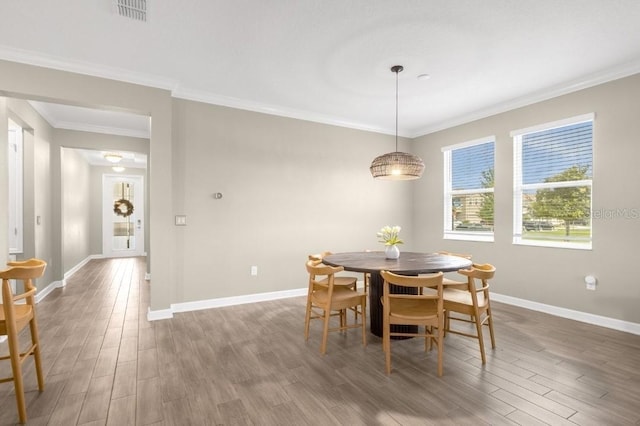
(112, 157)
(397, 165)
(118, 168)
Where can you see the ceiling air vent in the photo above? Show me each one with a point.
(134, 9)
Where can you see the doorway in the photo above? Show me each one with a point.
(122, 215)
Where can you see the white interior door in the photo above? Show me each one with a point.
(123, 216)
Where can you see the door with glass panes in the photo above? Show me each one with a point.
(123, 216)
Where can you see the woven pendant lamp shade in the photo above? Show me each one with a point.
(397, 165)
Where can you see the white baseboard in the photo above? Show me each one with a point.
(616, 324)
(223, 301)
(612, 323)
(75, 269)
(41, 294)
(159, 315)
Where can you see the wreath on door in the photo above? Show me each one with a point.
(123, 208)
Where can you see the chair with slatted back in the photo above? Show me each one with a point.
(472, 301)
(14, 317)
(326, 299)
(423, 310)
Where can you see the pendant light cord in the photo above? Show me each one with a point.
(397, 71)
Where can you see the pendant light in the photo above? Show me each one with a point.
(397, 165)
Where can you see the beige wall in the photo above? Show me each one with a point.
(37, 201)
(4, 179)
(549, 275)
(76, 217)
(291, 187)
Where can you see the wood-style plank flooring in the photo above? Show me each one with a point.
(105, 364)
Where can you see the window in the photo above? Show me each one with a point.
(15, 188)
(468, 190)
(553, 166)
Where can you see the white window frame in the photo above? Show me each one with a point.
(449, 232)
(519, 188)
(16, 225)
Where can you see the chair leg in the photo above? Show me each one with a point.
(363, 318)
(440, 344)
(490, 316)
(427, 339)
(325, 331)
(447, 324)
(35, 339)
(16, 369)
(307, 319)
(386, 344)
(480, 337)
(387, 352)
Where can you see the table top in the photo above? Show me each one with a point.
(409, 263)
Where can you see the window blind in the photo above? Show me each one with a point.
(553, 171)
(469, 182)
(551, 155)
(472, 167)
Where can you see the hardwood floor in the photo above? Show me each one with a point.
(105, 364)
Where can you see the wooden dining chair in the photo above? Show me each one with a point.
(423, 310)
(340, 280)
(473, 302)
(452, 283)
(16, 316)
(326, 299)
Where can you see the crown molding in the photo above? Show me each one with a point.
(231, 102)
(85, 68)
(85, 127)
(48, 61)
(115, 131)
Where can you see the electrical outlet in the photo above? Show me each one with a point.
(254, 271)
(590, 282)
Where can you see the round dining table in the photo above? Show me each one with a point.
(409, 263)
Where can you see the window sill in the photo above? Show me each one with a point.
(552, 244)
(469, 236)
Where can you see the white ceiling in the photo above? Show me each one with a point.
(329, 60)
